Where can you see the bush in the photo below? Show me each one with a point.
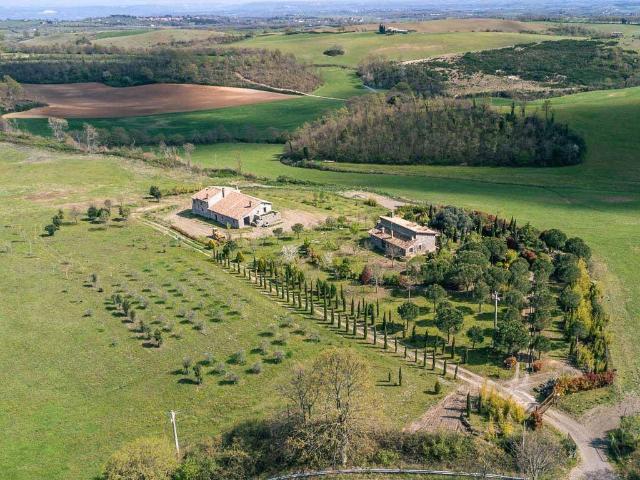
(231, 377)
(238, 358)
(220, 368)
(256, 368)
(278, 356)
(437, 387)
(144, 458)
(565, 385)
(538, 365)
(510, 362)
(334, 51)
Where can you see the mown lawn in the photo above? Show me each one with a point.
(80, 381)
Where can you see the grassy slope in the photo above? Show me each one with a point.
(411, 46)
(152, 38)
(598, 200)
(79, 386)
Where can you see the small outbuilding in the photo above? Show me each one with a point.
(229, 206)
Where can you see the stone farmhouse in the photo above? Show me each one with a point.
(402, 238)
(229, 206)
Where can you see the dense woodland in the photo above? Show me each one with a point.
(218, 67)
(403, 129)
(378, 72)
(564, 63)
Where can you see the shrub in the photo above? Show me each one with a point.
(510, 362)
(437, 387)
(278, 356)
(256, 367)
(538, 365)
(144, 458)
(334, 51)
(238, 358)
(231, 377)
(565, 385)
(186, 365)
(220, 368)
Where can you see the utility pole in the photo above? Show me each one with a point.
(175, 431)
(495, 297)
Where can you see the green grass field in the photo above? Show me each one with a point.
(81, 381)
(146, 38)
(598, 200)
(358, 45)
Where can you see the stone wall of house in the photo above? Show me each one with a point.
(267, 219)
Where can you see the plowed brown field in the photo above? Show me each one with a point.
(95, 100)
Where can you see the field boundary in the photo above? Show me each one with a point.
(264, 86)
(394, 471)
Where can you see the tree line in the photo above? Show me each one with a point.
(400, 128)
(564, 63)
(217, 67)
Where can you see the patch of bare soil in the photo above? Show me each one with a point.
(600, 420)
(386, 202)
(95, 100)
(201, 227)
(446, 415)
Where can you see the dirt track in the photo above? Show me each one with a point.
(95, 100)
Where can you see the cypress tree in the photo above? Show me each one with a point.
(352, 306)
(377, 307)
(415, 357)
(366, 330)
(468, 405)
(424, 359)
(386, 345)
(354, 327)
(466, 355)
(333, 317)
(444, 368)
(399, 376)
(433, 359)
(313, 310)
(405, 351)
(339, 320)
(455, 372)
(375, 334)
(453, 347)
(395, 344)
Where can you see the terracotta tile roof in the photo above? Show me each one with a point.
(236, 204)
(382, 235)
(414, 227)
(205, 193)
